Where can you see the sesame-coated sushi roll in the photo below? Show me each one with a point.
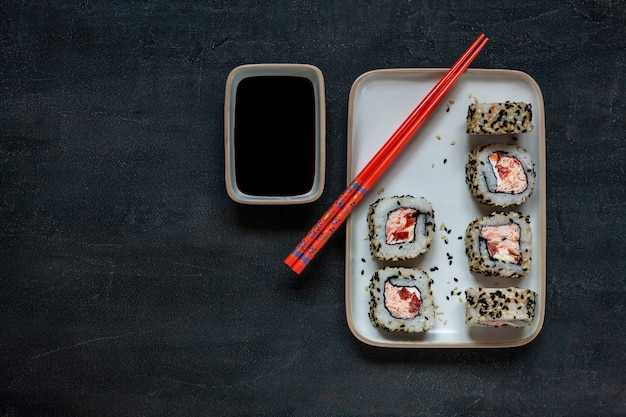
(499, 307)
(499, 118)
(400, 227)
(500, 175)
(401, 300)
(499, 245)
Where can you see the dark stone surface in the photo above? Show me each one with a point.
(131, 285)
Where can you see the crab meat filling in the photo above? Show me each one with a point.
(503, 242)
(400, 226)
(402, 302)
(509, 172)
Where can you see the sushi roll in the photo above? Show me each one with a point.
(401, 300)
(499, 307)
(499, 118)
(400, 227)
(499, 245)
(500, 174)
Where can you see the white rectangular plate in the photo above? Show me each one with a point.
(432, 166)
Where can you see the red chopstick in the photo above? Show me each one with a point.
(311, 244)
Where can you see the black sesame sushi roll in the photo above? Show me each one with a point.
(500, 175)
(499, 307)
(401, 300)
(499, 245)
(400, 227)
(499, 118)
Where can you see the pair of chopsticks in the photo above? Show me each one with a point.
(317, 237)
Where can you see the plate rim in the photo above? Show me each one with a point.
(542, 194)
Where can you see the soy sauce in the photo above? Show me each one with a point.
(274, 135)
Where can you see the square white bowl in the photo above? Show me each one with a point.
(243, 72)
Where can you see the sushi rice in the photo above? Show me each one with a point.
(401, 300)
(499, 245)
(499, 118)
(400, 227)
(499, 307)
(500, 175)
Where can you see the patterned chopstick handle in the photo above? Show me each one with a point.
(306, 250)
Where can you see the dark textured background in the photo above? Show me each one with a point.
(131, 285)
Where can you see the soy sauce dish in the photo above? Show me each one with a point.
(275, 134)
